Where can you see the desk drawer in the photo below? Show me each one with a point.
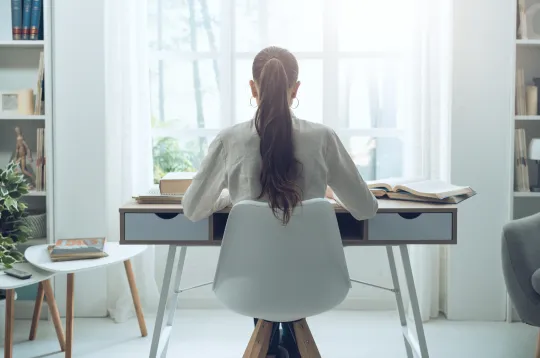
(411, 227)
(163, 227)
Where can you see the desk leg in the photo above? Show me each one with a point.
(69, 314)
(10, 316)
(414, 301)
(399, 298)
(165, 289)
(174, 298)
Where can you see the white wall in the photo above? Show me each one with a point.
(481, 155)
(79, 140)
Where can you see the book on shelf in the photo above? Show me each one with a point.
(36, 19)
(77, 249)
(175, 183)
(432, 191)
(16, 19)
(40, 160)
(521, 20)
(521, 93)
(27, 12)
(27, 19)
(153, 196)
(521, 173)
(38, 103)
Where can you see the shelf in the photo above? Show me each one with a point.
(528, 42)
(18, 117)
(524, 194)
(36, 193)
(22, 43)
(527, 118)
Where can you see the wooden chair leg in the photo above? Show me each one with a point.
(37, 312)
(136, 299)
(260, 340)
(69, 314)
(10, 317)
(305, 341)
(537, 355)
(55, 315)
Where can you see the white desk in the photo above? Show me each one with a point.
(39, 257)
(397, 223)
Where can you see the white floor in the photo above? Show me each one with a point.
(339, 334)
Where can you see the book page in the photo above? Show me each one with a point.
(435, 189)
(390, 183)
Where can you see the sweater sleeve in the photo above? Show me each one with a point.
(343, 177)
(207, 192)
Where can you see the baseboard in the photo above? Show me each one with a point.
(350, 303)
(25, 310)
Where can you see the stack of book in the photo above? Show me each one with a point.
(429, 191)
(77, 249)
(171, 190)
(27, 19)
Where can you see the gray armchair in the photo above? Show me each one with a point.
(521, 267)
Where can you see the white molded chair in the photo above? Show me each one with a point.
(281, 273)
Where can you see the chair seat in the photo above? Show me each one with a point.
(247, 299)
(535, 281)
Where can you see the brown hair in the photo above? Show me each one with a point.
(275, 71)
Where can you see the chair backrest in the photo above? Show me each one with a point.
(281, 273)
(520, 259)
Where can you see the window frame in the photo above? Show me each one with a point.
(330, 56)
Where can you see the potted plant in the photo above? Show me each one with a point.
(13, 227)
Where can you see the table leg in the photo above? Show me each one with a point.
(69, 314)
(165, 288)
(37, 312)
(414, 301)
(174, 299)
(135, 295)
(399, 298)
(10, 317)
(55, 315)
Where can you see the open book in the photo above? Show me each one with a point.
(435, 191)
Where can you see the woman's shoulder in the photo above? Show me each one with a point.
(302, 126)
(237, 130)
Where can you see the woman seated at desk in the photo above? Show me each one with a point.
(277, 158)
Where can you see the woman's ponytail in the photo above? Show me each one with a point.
(273, 122)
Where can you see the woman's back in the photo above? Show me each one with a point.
(243, 160)
(234, 163)
(276, 157)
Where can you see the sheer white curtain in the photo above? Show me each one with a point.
(128, 143)
(432, 134)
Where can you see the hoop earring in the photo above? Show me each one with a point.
(251, 104)
(297, 103)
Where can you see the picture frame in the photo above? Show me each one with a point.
(9, 102)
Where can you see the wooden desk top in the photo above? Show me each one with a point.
(385, 206)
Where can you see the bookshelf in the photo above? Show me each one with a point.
(525, 56)
(19, 67)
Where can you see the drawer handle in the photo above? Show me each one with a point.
(166, 216)
(409, 216)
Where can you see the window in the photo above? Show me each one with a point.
(355, 68)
